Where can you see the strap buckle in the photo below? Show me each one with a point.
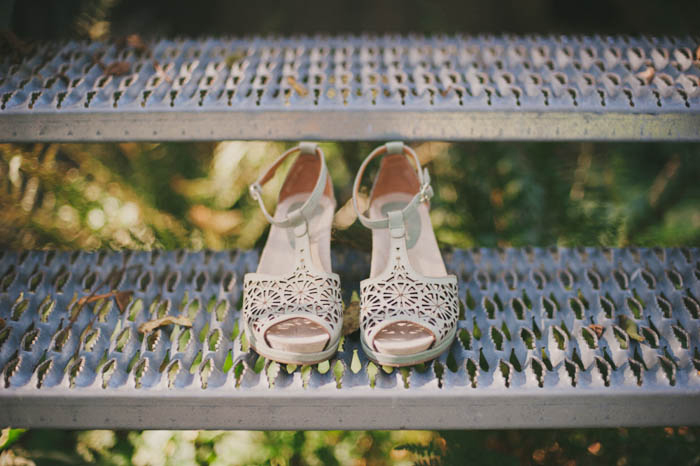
(426, 191)
(255, 190)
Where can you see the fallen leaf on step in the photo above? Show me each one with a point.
(301, 90)
(346, 215)
(445, 92)
(160, 71)
(151, 325)
(647, 75)
(117, 68)
(598, 329)
(134, 41)
(121, 297)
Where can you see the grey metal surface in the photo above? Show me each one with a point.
(526, 356)
(356, 88)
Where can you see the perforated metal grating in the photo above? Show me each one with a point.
(356, 88)
(530, 351)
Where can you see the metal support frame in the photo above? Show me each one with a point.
(548, 338)
(356, 88)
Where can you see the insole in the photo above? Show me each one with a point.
(277, 257)
(297, 335)
(422, 248)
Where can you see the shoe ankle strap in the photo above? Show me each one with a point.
(424, 193)
(307, 209)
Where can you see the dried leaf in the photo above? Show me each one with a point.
(539, 456)
(445, 92)
(92, 298)
(122, 299)
(117, 68)
(598, 329)
(351, 315)
(301, 90)
(346, 215)
(697, 53)
(2, 323)
(134, 41)
(151, 325)
(161, 72)
(221, 222)
(647, 75)
(594, 448)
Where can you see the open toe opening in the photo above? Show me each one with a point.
(403, 338)
(297, 335)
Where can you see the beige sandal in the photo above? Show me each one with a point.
(292, 307)
(409, 305)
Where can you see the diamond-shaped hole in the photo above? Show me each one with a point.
(550, 307)
(205, 371)
(472, 371)
(107, 371)
(214, 339)
(19, 307)
(539, 279)
(577, 307)
(648, 278)
(604, 369)
(692, 306)
(30, 337)
(61, 338)
(10, 369)
(594, 278)
(681, 335)
(519, 308)
(122, 340)
(41, 370)
(669, 369)
(621, 279)
(675, 278)
(139, 371)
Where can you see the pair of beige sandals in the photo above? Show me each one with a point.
(292, 305)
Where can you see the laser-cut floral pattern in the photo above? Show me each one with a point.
(406, 294)
(302, 292)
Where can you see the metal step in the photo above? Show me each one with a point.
(355, 88)
(530, 351)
